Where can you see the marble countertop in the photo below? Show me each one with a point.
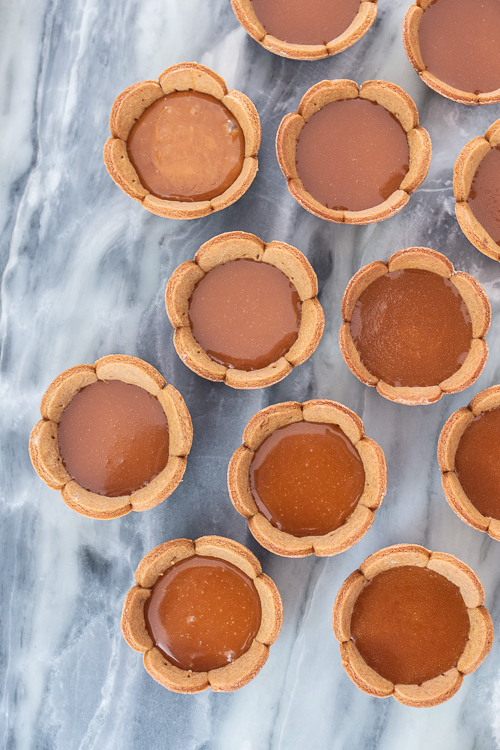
(84, 270)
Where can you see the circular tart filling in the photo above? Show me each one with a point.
(411, 328)
(352, 155)
(245, 314)
(477, 465)
(460, 43)
(484, 196)
(113, 438)
(203, 613)
(187, 146)
(410, 624)
(318, 22)
(307, 478)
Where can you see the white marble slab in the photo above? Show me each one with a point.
(84, 271)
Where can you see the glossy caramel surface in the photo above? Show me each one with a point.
(477, 462)
(460, 43)
(314, 22)
(203, 613)
(484, 196)
(411, 328)
(307, 478)
(245, 314)
(352, 155)
(187, 147)
(113, 438)
(410, 624)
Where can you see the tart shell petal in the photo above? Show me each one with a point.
(394, 99)
(422, 258)
(352, 358)
(461, 575)
(244, 380)
(92, 505)
(344, 605)
(133, 623)
(485, 400)
(245, 112)
(161, 486)
(62, 389)
(267, 420)
(232, 552)
(239, 673)
(130, 370)
(45, 455)
(361, 23)
(361, 674)
(195, 357)
(325, 92)
(475, 232)
(227, 247)
(470, 370)
(385, 210)
(465, 166)
(291, 262)
(430, 693)
(176, 209)
(289, 132)
(272, 610)
(331, 412)
(420, 146)
(297, 191)
(375, 467)
(312, 324)
(393, 557)
(179, 421)
(130, 105)
(160, 559)
(347, 535)
(357, 285)
(480, 640)
(476, 301)
(237, 482)
(460, 503)
(177, 680)
(493, 134)
(239, 187)
(245, 14)
(450, 436)
(194, 76)
(410, 37)
(410, 396)
(179, 289)
(121, 170)
(277, 541)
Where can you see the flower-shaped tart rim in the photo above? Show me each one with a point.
(360, 24)
(474, 297)
(258, 429)
(396, 101)
(134, 100)
(222, 249)
(231, 676)
(441, 688)
(44, 447)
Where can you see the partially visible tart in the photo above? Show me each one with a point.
(203, 614)
(310, 32)
(244, 312)
(353, 154)
(411, 623)
(307, 478)
(414, 328)
(476, 186)
(114, 437)
(184, 146)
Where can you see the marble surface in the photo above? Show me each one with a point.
(83, 275)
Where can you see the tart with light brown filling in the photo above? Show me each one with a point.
(468, 459)
(476, 186)
(414, 328)
(203, 614)
(353, 154)
(437, 632)
(244, 312)
(282, 478)
(114, 437)
(183, 145)
(291, 30)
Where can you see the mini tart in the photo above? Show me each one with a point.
(260, 427)
(394, 100)
(466, 166)
(362, 22)
(474, 298)
(44, 447)
(220, 250)
(434, 691)
(449, 439)
(233, 675)
(130, 105)
(411, 43)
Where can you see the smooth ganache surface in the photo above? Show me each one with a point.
(84, 270)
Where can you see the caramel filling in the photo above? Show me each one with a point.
(410, 624)
(203, 613)
(477, 465)
(484, 196)
(352, 155)
(113, 438)
(187, 147)
(411, 328)
(307, 478)
(245, 314)
(316, 22)
(460, 43)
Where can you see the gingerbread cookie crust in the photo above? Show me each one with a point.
(390, 97)
(260, 427)
(466, 166)
(132, 103)
(223, 249)
(44, 446)
(227, 678)
(441, 688)
(363, 20)
(474, 298)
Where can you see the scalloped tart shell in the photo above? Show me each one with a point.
(439, 689)
(44, 448)
(394, 100)
(131, 104)
(260, 427)
(220, 250)
(474, 298)
(225, 679)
